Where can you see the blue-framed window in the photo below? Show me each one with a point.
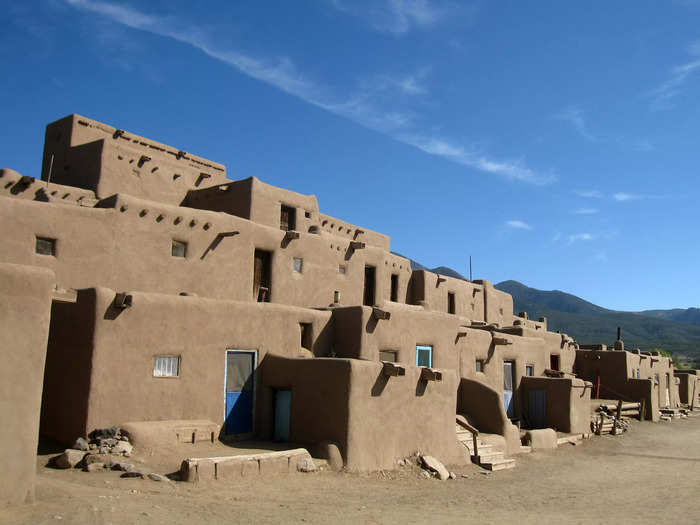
(424, 356)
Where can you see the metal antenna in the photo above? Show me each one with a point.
(48, 180)
(470, 267)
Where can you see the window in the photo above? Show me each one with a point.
(554, 362)
(341, 269)
(298, 264)
(388, 355)
(529, 370)
(450, 302)
(166, 366)
(394, 287)
(262, 271)
(45, 246)
(179, 249)
(424, 356)
(368, 296)
(306, 335)
(637, 373)
(307, 214)
(479, 365)
(288, 218)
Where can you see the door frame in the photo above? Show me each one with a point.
(255, 390)
(513, 390)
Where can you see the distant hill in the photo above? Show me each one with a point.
(681, 315)
(589, 323)
(442, 270)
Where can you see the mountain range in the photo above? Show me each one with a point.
(676, 330)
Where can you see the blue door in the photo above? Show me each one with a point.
(508, 380)
(283, 405)
(424, 356)
(538, 408)
(239, 391)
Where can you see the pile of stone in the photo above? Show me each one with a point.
(103, 449)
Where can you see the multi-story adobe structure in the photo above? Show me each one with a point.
(157, 289)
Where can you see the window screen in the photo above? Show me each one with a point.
(166, 366)
(179, 249)
(479, 365)
(298, 264)
(239, 369)
(45, 246)
(387, 355)
(424, 356)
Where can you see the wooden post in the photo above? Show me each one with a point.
(695, 384)
(619, 409)
(642, 407)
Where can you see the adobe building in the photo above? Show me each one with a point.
(163, 291)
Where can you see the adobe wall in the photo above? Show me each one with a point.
(25, 303)
(98, 157)
(688, 386)
(617, 372)
(568, 402)
(118, 358)
(125, 243)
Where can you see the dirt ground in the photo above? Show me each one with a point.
(649, 475)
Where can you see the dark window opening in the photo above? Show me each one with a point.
(306, 335)
(394, 287)
(529, 370)
(554, 362)
(368, 299)
(479, 365)
(179, 249)
(288, 216)
(261, 276)
(307, 214)
(388, 355)
(45, 246)
(450, 302)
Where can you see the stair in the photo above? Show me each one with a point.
(488, 457)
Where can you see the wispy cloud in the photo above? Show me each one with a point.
(586, 211)
(579, 237)
(396, 16)
(589, 194)
(361, 107)
(661, 96)
(518, 225)
(575, 116)
(622, 197)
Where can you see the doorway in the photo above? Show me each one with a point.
(283, 406)
(554, 362)
(261, 276)
(240, 391)
(370, 274)
(508, 382)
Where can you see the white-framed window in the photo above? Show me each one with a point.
(166, 366)
(529, 370)
(298, 264)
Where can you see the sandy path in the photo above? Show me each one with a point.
(649, 475)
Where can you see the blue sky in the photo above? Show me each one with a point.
(554, 142)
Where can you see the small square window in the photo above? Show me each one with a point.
(45, 246)
(341, 269)
(179, 249)
(307, 214)
(479, 365)
(529, 370)
(166, 366)
(387, 355)
(298, 264)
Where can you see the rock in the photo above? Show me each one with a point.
(92, 446)
(122, 447)
(120, 465)
(106, 442)
(453, 475)
(432, 464)
(93, 467)
(425, 474)
(104, 433)
(105, 459)
(133, 474)
(157, 477)
(103, 450)
(81, 444)
(69, 459)
(402, 463)
(306, 465)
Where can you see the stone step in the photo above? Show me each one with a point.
(492, 457)
(499, 465)
(525, 449)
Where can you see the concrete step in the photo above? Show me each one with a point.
(499, 465)
(493, 457)
(525, 449)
